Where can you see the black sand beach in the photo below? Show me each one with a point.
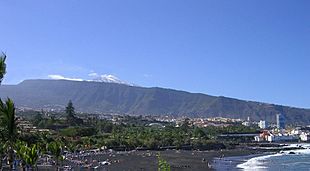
(178, 159)
(230, 163)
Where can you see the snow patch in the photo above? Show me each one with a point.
(106, 78)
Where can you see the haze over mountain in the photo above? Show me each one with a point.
(102, 97)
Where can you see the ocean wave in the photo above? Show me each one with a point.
(257, 163)
(303, 145)
(261, 163)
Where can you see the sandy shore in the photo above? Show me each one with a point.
(230, 163)
(178, 159)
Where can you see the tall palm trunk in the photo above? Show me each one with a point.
(57, 167)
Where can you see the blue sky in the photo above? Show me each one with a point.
(253, 50)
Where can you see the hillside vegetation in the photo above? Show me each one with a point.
(97, 97)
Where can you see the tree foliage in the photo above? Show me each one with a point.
(28, 155)
(55, 148)
(8, 120)
(163, 165)
(70, 110)
(2, 66)
(71, 117)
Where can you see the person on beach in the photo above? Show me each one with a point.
(209, 165)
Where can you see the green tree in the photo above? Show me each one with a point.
(70, 110)
(28, 155)
(2, 73)
(31, 156)
(55, 148)
(71, 147)
(20, 148)
(163, 165)
(2, 66)
(9, 127)
(199, 133)
(185, 125)
(37, 119)
(71, 118)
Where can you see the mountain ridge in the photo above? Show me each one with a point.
(107, 78)
(101, 97)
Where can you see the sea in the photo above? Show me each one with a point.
(289, 160)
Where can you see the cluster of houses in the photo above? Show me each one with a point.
(28, 127)
(283, 136)
(280, 134)
(213, 121)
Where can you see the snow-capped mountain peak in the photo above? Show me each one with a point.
(107, 78)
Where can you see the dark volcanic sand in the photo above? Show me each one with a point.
(178, 159)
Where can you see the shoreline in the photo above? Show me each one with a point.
(231, 162)
(182, 160)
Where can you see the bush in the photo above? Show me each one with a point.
(78, 131)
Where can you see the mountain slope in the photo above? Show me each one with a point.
(120, 98)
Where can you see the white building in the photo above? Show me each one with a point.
(296, 131)
(246, 123)
(281, 138)
(304, 136)
(258, 139)
(262, 124)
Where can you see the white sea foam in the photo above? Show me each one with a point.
(304, 145)
(257, 163)
(261, 163)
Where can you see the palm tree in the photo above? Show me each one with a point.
(28, 155)
(2, 73)
(7, 114)
(20, 148)
(2, 66)
(71, 147)
(9, 127)
(163, 165)
(56, 149)
(8, 122)
(32, 156)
